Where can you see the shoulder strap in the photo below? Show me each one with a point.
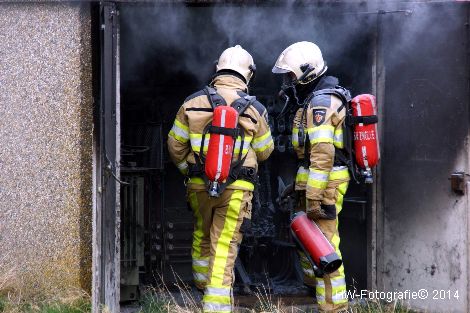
(339, 91)
(214, 98)
(241, 104)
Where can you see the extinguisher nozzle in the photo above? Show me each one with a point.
(330, 263)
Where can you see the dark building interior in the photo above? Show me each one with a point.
(167, 53)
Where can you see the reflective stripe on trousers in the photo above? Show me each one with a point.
(200, 264)
(215, 244)
(302, 175)
(331, 288)
(218, 293)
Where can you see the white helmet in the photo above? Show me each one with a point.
(239, 60)
(304, 59)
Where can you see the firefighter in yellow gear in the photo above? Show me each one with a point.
(219, 221)
(317, 136)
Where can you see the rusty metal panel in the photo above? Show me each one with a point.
(426, 120)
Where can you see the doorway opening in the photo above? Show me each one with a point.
(167, 52)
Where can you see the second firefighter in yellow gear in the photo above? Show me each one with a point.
(321, 181)
(219, 221)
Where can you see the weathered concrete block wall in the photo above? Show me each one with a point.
(45, 145)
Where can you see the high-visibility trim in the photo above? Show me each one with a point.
(181, 125)
(200, 269)
(226, 236)
(317, 179)
(338, 138)
(302, 175)
(320, 291)
(243, 184)
(212, 298)
(224, 291)
(338, 281)
(335, 241)
(183, 167)
(322, 133)
(200, 277)
(246, 145)
(339, 174)
(217, 307)
(340, 298)
(200, 266)
(342, 188)
(318, 175)
(263, 142)
(308, 273)
(295, 137)
(200, 262)
(196, 181)
(198, 233)
(179, 131)
(196, 140)
(341, 191)
(238, 183)
(316, 184)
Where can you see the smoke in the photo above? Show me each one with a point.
(194, 37)
(167, 40)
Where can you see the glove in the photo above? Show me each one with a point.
(314, 210)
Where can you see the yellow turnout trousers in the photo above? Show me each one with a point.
(216, 239)
(331, 288)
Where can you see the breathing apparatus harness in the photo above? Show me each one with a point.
(237, 170)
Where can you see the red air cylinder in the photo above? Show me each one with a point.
(314, 243)
(366, 142)
(220, 149)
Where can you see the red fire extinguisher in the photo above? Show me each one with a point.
(221, 145)
(366, 141)
(313, 242)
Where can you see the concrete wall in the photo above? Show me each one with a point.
(45, 145)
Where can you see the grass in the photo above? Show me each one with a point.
(156, 300)
(82, 305)
(375, 306)
(16, 297)
(161, 300)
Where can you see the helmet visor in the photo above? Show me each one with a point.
(278, 70)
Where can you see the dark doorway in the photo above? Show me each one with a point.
(167, 53)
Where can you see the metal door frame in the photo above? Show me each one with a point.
(106, 166)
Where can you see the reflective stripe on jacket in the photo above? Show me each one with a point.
(323, 126)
